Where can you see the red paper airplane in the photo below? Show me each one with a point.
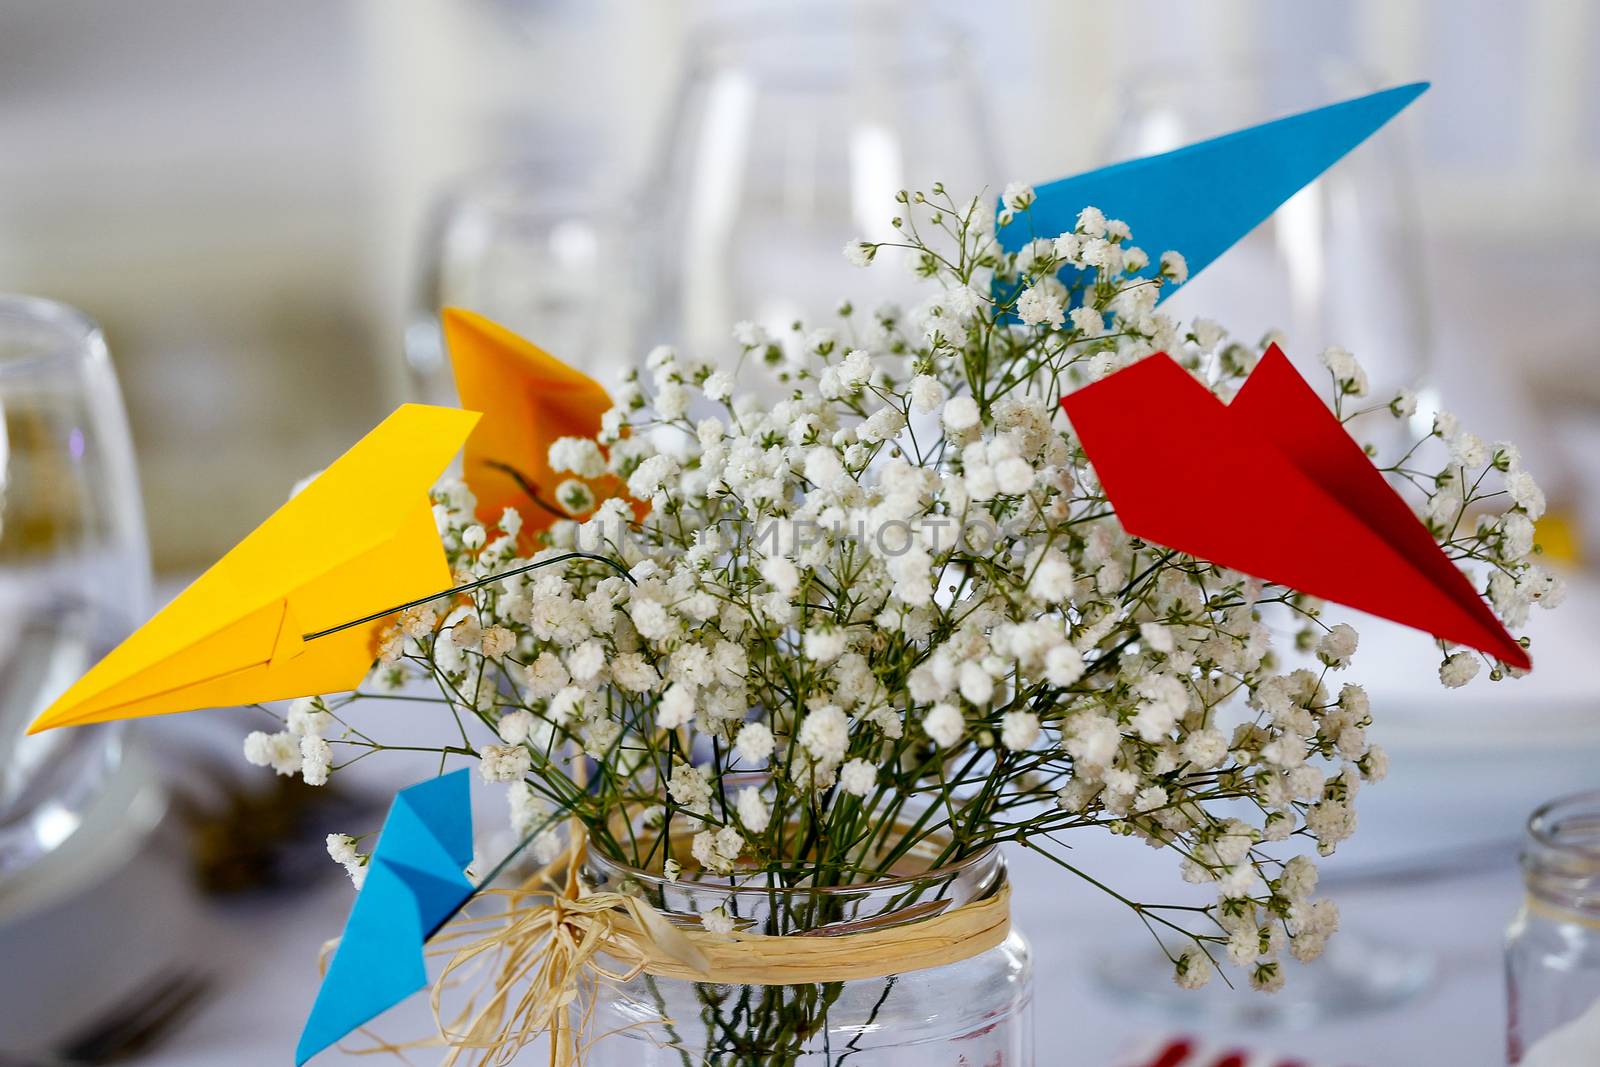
(1272, 486)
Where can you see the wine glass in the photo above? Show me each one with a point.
(1340, 263)
(1337, 264)
(526, 245)
(788, 139)
(74, 565)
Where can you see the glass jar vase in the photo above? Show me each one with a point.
(974, 1012)
(1553, 944)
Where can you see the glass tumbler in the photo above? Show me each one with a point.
(74, 564)
(1553, 944)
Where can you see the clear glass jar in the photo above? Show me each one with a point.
(973, 1013)
(1553, 945)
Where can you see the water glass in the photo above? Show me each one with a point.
(74, 564)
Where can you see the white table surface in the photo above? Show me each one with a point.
(59, 964)
(263, 953)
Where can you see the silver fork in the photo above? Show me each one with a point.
(131, 1026)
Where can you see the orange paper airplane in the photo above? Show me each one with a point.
(529, 399)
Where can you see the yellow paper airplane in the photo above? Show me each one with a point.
(360, 538)
(528, 399)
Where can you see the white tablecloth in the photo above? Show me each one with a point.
(263, 954)
(1467, 768)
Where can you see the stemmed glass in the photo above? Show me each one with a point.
(1338, 264)
(527, 245)
(74, 565)
(789, 139)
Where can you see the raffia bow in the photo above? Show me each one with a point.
(539, 958)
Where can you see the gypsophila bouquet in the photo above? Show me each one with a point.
(892, 613)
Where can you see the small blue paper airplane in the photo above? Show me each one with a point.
(1200, 199)
(414, 883)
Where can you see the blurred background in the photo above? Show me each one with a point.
(245, 195)
(264, 205)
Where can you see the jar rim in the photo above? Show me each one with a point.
(1551, 823)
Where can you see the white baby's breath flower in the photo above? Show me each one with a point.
(316, 760)
(309, 717)
(503, 763)
(1338, 645)
(1459, 669)
(824, 733)
(1192, 969)
(960, 413)
(1092, 222)
(781, 574)
(690, 788)
(1525, 493)
(577, 455)
(651, 476)
(717, 921)
(1346, 371)
(754, 743)
(575, 496)
(754, 812)
(1019, 730)
(280, 751)
(860, 253)
(1018, 196)
(824, 646)
(342, 849)
(497, 641)
(858, 777)
(717, 850)
(926, 393)
(515, 727)
(975, 683)
(676, 708)
(944, 724)
(1063, 665)
(1468, 450)
(1040, 306)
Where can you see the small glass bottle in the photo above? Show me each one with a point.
(1553, 944)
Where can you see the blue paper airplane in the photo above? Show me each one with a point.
(1199, 200)
(414, 883)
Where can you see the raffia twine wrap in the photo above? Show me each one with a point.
(532, 965)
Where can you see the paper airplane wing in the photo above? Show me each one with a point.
(1183, 473)
(414, 883)
(1200, 199)
(358, 538)
(1278, 403)
(528, 399)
